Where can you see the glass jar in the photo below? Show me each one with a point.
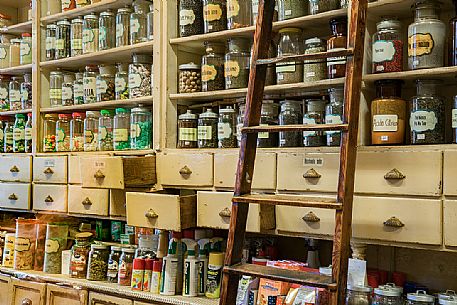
(240, 119)
(19, 134)
(14, 93)
(68, 5)
(105, 87)
(40, 246)
(214, 15)
(334, 115)
(226, 128)
(314, 114)
(105, 131)
(187, 130)
(76, 34)
(314, 70)
(358, 295)
(268, 117)
(290, 114)
(387, 49)
(123, 26)
(113, 264)
(387, 295)
(190, 79)
(90, 34)
(51, 41)
(288, 9)
(80, 255)
(320, 6)
(336, 66)
(56, 242)
(63, 133)
(26, 49)
(97, 266)
(63, 46)
(77, 132)
(67, 89)
(290, 43)
(91, 130)
(8, 135)
(420, 297)
(207, 129)
(140, 75)
(121, 128)
(237, 63)
(24, 244)
(49, 132)
(78, 89)
(28, 133)
(4, 88)
(426, 37)
(26, 92)
(190, 17)
(150, 23)
(451, 300)
(427, 118)
(140, 128)
(388, 113)
(4, 54)
(15, 52)
(107, 35)
(238, 14)
(126, 266)
(55, 88)
(138, 32)
(121, 81)
(213, 67)
(83, 3)
(90, 84)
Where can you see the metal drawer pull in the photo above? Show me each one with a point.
(394, 222)
(87, 201)
(185, 171)
(48, 171)
(12, 197)
(311, 217)
(151, 214)
(26, 301)
(99, 175)
(311, 174)
(226, 213)
(48, 199)
(14, 169)
(394, 174)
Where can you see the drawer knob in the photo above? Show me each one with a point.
(13, 197)
(49, 199)
(311, 217)
(225, 213)
(48, 171)
(26, 301)
(311, 174)
(394, 222)
(394, 174)
(99, 175)
(87, 201)
(14, 169)
(150, 214)
(185, 171)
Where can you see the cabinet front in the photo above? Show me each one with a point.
(5, 288)
(28, 293)
(449, 173)
(57, 295)
(74, 170)
(87, 201)
(102, 172)
(16, 169)
(103, 299)
(15, 195)
(50, 197)
(449, 223)
(50, 169)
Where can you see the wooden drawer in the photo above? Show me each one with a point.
(5, 288)
(15, 195)
(308, 172)
(87, 201)
(16, 169)
(450, 225)
(117, 203)
(50, 197)
(74, 171)
(449, 173)
(185, 169)
(167, 212)
(225, 165)
(58, 295)
(103, 299)
(117, 172)
(50, 169)
(25, 292)
(214, 210)
(402, 173)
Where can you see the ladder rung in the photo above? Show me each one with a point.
(307, 127)
(288, 200)
(284, 275)
(314, 56)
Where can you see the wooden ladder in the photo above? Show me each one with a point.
(233, 268)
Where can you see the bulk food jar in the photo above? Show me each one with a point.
(387, 295)
(238, 14)
(138, 31)
(314, 114)
(113, 264)
(268, 116)
(334, 115)
(288, 9)
(121, 82)
(336, 66)
(290, 43)
(140, 75)
(105, 131)
(15, 52)
(24, 244)
(126, 266)
(140, 128)
(123, 26)
(226, 128)
(63, 47)
(358, 295)
(314, 70)
(49, 132)
(90, 34)
(107, 35)
(63, 133)
(26, 49)
(420, 297)
(80, 255)
(187, 130)
(290, 114)
(213, 67)
(214, 15)
(28, 134)
(190, 79)
(4, 88)
(91, 130)
(56, 242)
(190, 17)
(90, 84)
(387, 48)
(98, 263)
(4, 54)
(67, 89)
(19, 134)
(320, 6)
(121, 129)
(76, 34)
(77, 132)
(237, 62)
(14, 93)
(55, 88)
(26, 92)
(51, 41)
(207, 129)
(105, 87)
(78, 89)
(8, 136)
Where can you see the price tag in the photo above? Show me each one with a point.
(49, 163)
(307, 161)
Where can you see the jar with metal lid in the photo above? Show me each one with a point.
(214, 15)
(26, 49)
(14, 93)
(290, 114)
(290, 43)
(121, 130)
(138, 32)
(4, 54)
(55, 88)
(226, 128)
(386, 295)
(314, 70)
(28, 133)
(123, 26)
(237, 63)
(105, 87)
(334, 115)
(105, 131)
(26, 92)
(67, 89)
(126, 266)
(4, 88)
(336, 66)
(140, 75)
(76, 34)
(77, 132)
(450, 300)
(51, 41)
(150, 23)
(190, 17)
(449, 293)
(91, 130)
(190, 79)
(288, 9)
(147, 246)
(320, 6)
(63, 47)
(78, 89)
(107, 34)
(80, 255)
(83, 3)
(90, 34)
(387, 48)
(113, 264)
(238, 14)
(19, 134)
(268, 117)
(49, 132)
(207, 129)
(140, 128)
(63, 133)
(240, 118)
(90, 84)
(15, 52)
(213, 67)
(420, 297)
(97, 266)
(426, 36)
(187, 130)
(358, 295)
(121, 82)
(314, 114)
(8, 135)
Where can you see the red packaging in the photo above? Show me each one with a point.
(138, 274)
(188, 233)
(148, 266)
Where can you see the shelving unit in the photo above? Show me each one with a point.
(17, 70)
(18, 28)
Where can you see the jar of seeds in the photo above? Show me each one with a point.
(290, 43)
(140, 128)
(190, 78)
(4, 88)
(190, 17)
(121, 81)
(49, 133)
(50, 41)
(91, 130)
(187, 130)
(67, 89)
(78, 89)
(63, 47)
(138, 31)
(315, 114)
(237, 63)
(268, 117)
(288, 9)
(8, 136)
(226, 128)
(214, 15)
(213, 67)
(336, 66)
(207, 129)
(56, 242)
(320, 6)
(334, 115)
(90, 84)
(19, 134)
(55, 88)
(140, 75)
(240, 118)
(76, 34)
(105, 87)
(238, 14)
(113, 264)
(107, 35)
(28, 134)
(90, 34)
(63, 133)
(14, 93)
(80, 255)
(15, 52)
(290, 114)
(26, 92)
(314, 70)
(105, 131)
(121, 130)
(98, 263)
(123, 26)
(26, 49)
(387, 48)
(77, 132)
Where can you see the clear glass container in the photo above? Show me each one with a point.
(387, 295)
(226, 128)
(314, 70)
(358, 295)
(387, 48)
(56, 242)
(187, 130)
(107, 34)
(150, 23)
(97, 266)
(138, 22)
(8, 136)
(90, 84)
(80, 255)
(214, 15)
(290, 114)
(28, 133)
(63, 133)
(63, 46)
(121, 82)
(78, 89)
(207, 129)
(290, 43)
(4, 88)
(190, 17)
(237, 63)
(213, 67)
(51, 41)
(105, 87)
(105, 131)
(320, 6)
(113, 264)
(121, 129)
(14, 93)
(90, 34)
(240, 119)
(140, 74)
(126, 266)
(91, 130)
(55, 88)
(268, 117)
(24, 244)
(77, 132)
(123, 26)
(334, 115)
(336, 66)
(15, 52)
(238, 14)
(67, 89)
(4, 54)
(26, 92)
(49, 132)
(76, 34)
(140, 128)
(190, 79)
(288, 9)
(420, 297)
(26, 49)
(314, 114)
(19, 134)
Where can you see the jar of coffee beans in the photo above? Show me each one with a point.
(226, 128)
(213, 67)
(190, 79)
(190, 17)
(290, 114)
(207, 129)
(187, 130)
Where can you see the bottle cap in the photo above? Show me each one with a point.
(20, 116)
(26, 35)
(121, 110)
(78, 115)
(138, 263)
(157, 266)
(216, 258)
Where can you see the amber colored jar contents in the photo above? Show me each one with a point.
(336, 66)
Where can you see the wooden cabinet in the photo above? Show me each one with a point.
(5, 288)
(87, 201)
(117, 203)
(27, 293)
(50, 169)
(58, 295)
(50, 197)
(15, 195)
(449, 172)
(103, 299)
(16, 169)
(449, 223)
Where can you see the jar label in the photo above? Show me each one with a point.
(60, 44)
(233, 8)
(188, 134)
(119, 31)
(102, 34)
(120, 84)
(24, 95)
(310, 74)
(224, 131)
(205, 132)
(3, 53)
(420, 44)
(209, 73)
(454, 118)
(60, 135)
(134, 25)
(25, 48)
(76, 44)
(385, 122)
(311, 161)
(50, 43)
(135, 130)
(421, 121)
(3, 93)
(78, 90)
(89, 137)
(285, 67)
(66, 4)
(18, 134)
(9, 137)
(67, 93)
(339, 60)
(309, 121)
(232, 68)
(333, 119)
(121, 135)
(102, 86)
(134, 80)
(55, 94)
(22, 244)
(78, 263)
(15, 95)
(186, 17)
(383, 50)
(113, 268)
(28, 134)
(212, 12)
(287, 12)
(263, 135)
(51, 246)
(102, 133)
(255, 9)
(90, 86)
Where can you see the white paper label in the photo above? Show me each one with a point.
(67, 93)
(309, 121)
(25, 49)
(205, 132)
(224, 131)
(50, 43)
(454, 118)
(385, 122)
(309, 161)
(3, 93)
(119, 31)
(134, 25)
(263, 135)
(15, 95)
(333, 119)
(186, 17)
(134, 80)
(340, 60)
(285, 67)
(3, 53)
(102, 86)
(421, 121)
(90, 86)
(18, 134)
(383, 51)
(120, 84)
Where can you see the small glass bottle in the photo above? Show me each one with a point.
(51, 41)
(14, 93)
(63, 133)
(4, 88)
(105, 87)
(138, 32)
(77, 132)
(214, 15)
(8, 135)
(213, 67)
(140, 128)
(90, 34)
(140, 74)
(315, 114)
(113, 264)
(290, 43)
(26, 92)
(290, 114)
(121, 130)
(387, 49)
(334, 115)
(190, 18)
(123, 26)
(187, 130)
(49, 132)
(121, 82)
(90, 84)
(55, 88)
(78, 89)
(358, 295)
(91, 130)
(107, 34)
(314, 70)
(238, 14)
(67, 89)
(80, 255)
(288, 9)
(126, 266)
(19, 134)
(268, 117)
(336, 66)
(207, 129)
(76, 34)
(105, 131)
(63, 47)
(237, 63)
(97, 266)
(150, 23)
(226, 128)
(28, 134)
(26, 49)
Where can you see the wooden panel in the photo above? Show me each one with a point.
(15, 195)
(117, 202)
(16, 169)
(50, 169)
(57, 295)
(5, 288)
(103, 299)
(50, 197)
(25, 291)
(102, 172)
(74, 172)
(87, 201)
(264, 170)
(449, 223)
(167, 212)
(185, 169)
(449, 173)
(139, 171)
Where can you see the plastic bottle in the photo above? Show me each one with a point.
(148, 267)
(190, 278)
(169, 270)
(215, 264)
(203, 245)
(156, 277)
(137, 274)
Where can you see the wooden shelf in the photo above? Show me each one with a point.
(106, 153)
(114, 55)
(23, 27)
(17, 70)
(445, 73)
(14, 112)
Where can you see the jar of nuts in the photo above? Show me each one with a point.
(190, 78)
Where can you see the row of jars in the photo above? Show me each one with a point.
(15, 92)
(209, 130)
(102, 83)
(231, 71)
(93, 33)
(98, 131)
(16, 134)
(207, 16)
(15, 51)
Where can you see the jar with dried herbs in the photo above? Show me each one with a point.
(49, 132)
(214, 15)
(334, 115)
(63, 132)
(387, 49)
(121, 81)
(190, 17)
(28, 133)
(14, 93)
(140, 75)
(78, 89)
(320, 6)
(56, 242)
(55, 88)
(290, 114)
(314, 114)
(76, 34)
(77, 132)
(107, 35)
(336, 66)
(51, 41)
(314, 70)
(138, 31)
(126, 266)
(237, 63)
(268, 117)
(290, 43)
(4, 88)
(113, 264)
(213, 67)
(24, 244)
(105, 87)
(91, 130)
(63, 47)
(19, 134)
(26, 92)
(90, 34)
(288, 9)
(67, 89)
(123, 26)
(190, 79)
(90, 84)
(207, 129)
(80, 255)
(98, 263)
(238, 14)
(187, 130)
(226, 128)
